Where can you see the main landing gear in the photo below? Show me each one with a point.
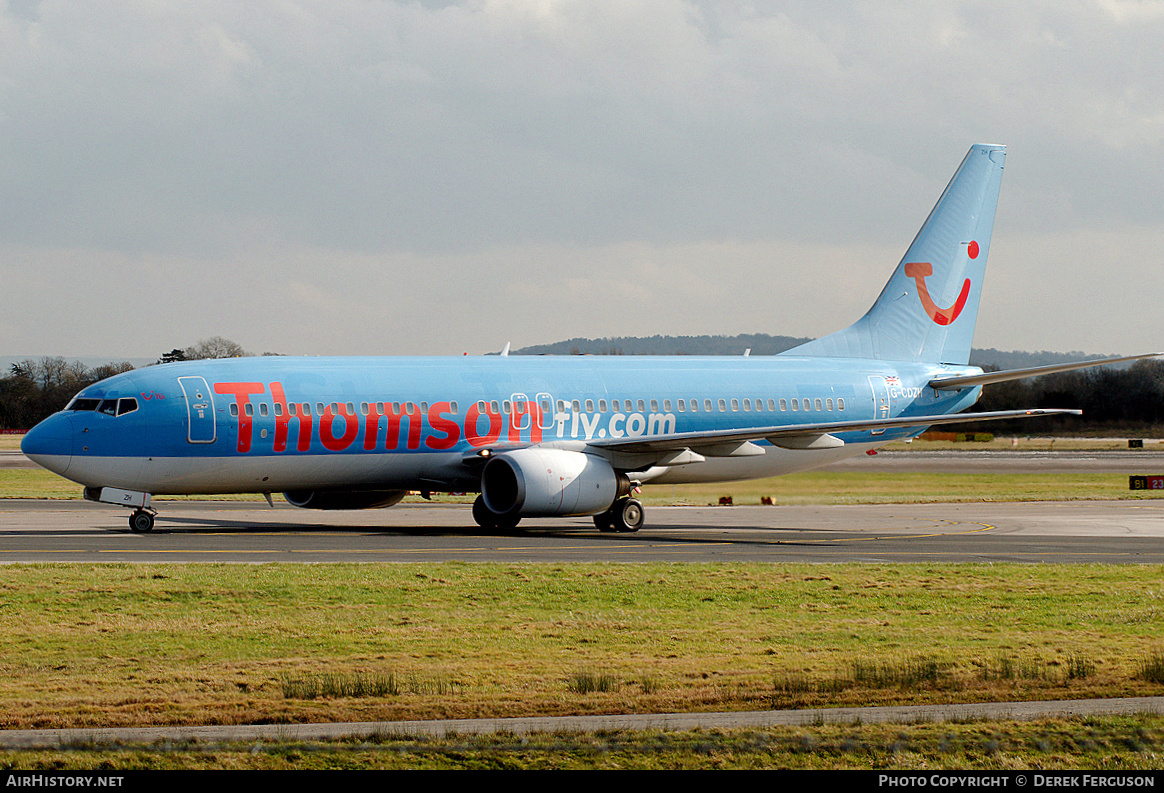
(490, 520)
(624, 515)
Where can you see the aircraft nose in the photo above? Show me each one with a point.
(50, 443)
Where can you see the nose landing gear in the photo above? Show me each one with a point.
(141, 521)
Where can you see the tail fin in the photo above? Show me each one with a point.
(928, 309)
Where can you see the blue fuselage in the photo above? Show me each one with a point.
(276, 423)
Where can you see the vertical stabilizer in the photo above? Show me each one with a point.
(928, 309)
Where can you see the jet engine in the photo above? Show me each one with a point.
(544, 482)
(343, 499)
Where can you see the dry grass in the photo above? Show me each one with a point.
(84, 645)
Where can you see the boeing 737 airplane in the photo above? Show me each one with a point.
(545, 436)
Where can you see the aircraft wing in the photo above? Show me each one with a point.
(731, 443)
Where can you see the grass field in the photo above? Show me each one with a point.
(94, 645)
(124, 645)
(106, 645)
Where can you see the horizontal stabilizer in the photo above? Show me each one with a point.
(954, 383)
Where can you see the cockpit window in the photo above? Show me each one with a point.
(81, 403)
(110, 407)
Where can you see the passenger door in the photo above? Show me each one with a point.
(202, 427)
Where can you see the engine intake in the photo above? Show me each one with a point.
(545, 482)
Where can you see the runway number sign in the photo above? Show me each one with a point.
(1146, 482)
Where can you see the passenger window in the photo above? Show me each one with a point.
(602, 406)
(796, 404)
(263, 409)
(589, 405)
(654, 406)
(829, 404)
(722, 406)
(642, 406)
(817, 404)
(747, 405)
(667, 405)
(453, 408)
(783, 404)
(707, 405)
(682, 405)
(840, 403)
(772, 405)
(735, 406)
(234, 409)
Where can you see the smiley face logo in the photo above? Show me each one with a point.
(918, 272)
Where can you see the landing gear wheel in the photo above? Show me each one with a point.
(141, 522)
(483, 516)
(488, 519)
(626, 515)
(603, 521)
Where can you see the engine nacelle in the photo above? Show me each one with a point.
(545, 482)
(343, 499)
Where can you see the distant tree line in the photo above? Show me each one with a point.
(1113, 401)
(35, 389)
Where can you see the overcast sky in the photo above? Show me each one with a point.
(376, 177)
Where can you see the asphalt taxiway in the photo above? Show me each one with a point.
(1130, 531)
(1114, 532)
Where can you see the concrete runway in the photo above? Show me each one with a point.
(1117, 532)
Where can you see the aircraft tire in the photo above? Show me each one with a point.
(627, 515)
(604, 521)
(141, 522)
(482, 515)
(490, 520)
